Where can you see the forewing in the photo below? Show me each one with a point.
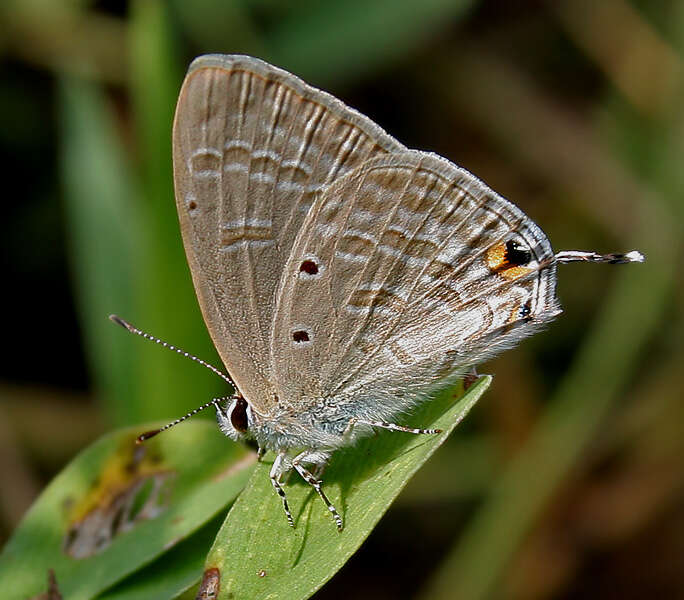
(253, 145)
(420, 269)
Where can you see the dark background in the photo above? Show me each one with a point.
(566, 481)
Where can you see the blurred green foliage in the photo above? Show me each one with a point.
(569, 472)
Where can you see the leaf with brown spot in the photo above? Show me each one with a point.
(90, 509)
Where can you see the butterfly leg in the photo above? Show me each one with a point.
(316, 459)
(382, 425)
(281, 465)
(319, 459)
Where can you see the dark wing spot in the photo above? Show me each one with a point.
(238, 416)
(300, 336)
(526, 310)
(192, 205)
(309, 267)
(516, 254)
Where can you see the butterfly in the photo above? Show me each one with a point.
(342, 276)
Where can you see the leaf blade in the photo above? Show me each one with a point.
(259, 556)
(205, 472)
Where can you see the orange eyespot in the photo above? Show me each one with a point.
(508, 260)
(496, 257)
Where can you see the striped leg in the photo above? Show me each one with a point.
(316, 458)
(390, 426)
(280, 466)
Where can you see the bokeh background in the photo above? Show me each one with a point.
(567, 480)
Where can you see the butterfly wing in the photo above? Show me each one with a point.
(421, 269)
(253, 145)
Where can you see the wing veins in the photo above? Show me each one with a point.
(350, 341)
(396, 319)
(248, 265)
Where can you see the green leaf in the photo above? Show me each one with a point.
(118, 505)
(166, 304)
(173, 572)
(259, 555)
(125, 245)
(104, 234)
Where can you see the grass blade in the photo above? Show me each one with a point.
(260, 556)
(118, 505)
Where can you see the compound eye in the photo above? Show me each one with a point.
(238, 416)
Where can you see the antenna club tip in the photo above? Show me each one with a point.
(119, 321)
(635, 256)
(146, 436)
(617, 258)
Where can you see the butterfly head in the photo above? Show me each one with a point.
(236, 418)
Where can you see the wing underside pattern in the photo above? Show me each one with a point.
(253, 148)
(412, 282)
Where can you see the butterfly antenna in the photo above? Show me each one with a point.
(569, 256)
(126, 325)
(148, 434)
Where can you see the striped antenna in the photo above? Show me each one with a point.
(569, 256)
(213, 402)
(126, 325)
